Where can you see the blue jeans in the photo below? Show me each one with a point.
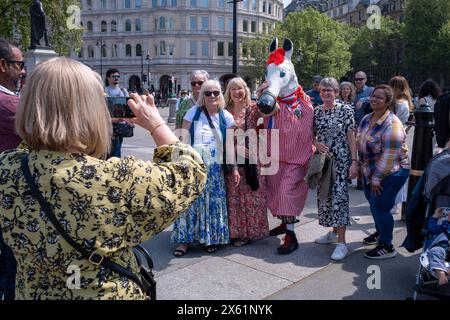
(116, 147)
(8, 269)
(381, 205)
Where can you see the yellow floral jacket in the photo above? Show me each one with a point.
(106, 206)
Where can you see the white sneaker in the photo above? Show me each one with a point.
(340, 252)
(395, 209)
(330, 237)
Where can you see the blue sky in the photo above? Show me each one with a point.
(286, 2)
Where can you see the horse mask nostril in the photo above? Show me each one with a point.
(266, 103)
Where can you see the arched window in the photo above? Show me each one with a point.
(114, 50)
(171, 24)
(104, 51)
(138, 24)
(138, 50)
(162, 48)
(162, 23)
(128, 25)
(104, 26)
(128, 50)
(81, 53)
(89, 26)
(113, 26)
(90, 51)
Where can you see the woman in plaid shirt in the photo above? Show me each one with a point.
(381, 140)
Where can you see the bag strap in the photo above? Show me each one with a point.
(91, 256)
(222, 127)
(198, 111)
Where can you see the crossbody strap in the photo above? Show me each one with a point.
(91, 256)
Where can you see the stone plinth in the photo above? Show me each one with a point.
(37, 55)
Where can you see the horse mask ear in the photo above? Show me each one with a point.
(288, 47)
(274, 45)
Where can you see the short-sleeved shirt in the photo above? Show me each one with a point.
(203, 135)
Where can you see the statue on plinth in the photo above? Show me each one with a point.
(38, 28)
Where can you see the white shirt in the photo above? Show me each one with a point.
(203, 134)
(7, 91)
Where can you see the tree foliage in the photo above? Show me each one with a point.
(63, 34)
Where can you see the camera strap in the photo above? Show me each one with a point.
(91, 256)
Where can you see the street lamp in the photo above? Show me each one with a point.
(317, 54)
(148, 69)
(100, 43)
(234, 34)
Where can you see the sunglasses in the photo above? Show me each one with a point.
(360, 79)
(198, 83)
(210, 93)
(20, 63)
(115, 77)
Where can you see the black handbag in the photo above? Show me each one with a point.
(123, 129)
(144, 279)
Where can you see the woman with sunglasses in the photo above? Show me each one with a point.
(381, 141)
(198, 77)
(204, 126)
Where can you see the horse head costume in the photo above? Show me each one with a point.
(283, 83)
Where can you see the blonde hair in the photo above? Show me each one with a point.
(352, 90)
(63, 108)
(206, 87)
(235, 83)
(401, 90)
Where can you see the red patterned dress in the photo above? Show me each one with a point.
(247, 209)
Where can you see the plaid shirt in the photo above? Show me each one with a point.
(383, 147)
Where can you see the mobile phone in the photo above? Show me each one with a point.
(118, 107)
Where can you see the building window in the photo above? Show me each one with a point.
(104, 51)
(270, 9)
(90, 51)
(163, 3)
(103, 4)
(128, 25)
(221, 23)
(245, 4)
(221, 3)
(230, 49)
(174, 3)
(113, 26)
(171, 50)
(264, 7)
(254, 5)
(156, 50)
(230, 25)
(89, 26)
(193, 23)
(138, 50)
(154, 3)
(171, 24)
(244, 51)
(220, 49)
(162, 23)
(114, 50)
(128, 50)
(104, 27)
(205, 48)
(162, 48)
(114, 4)
(244, 25)
(253, 26)
(138, 4)
(205, 23)
(193, 3)
(89, 4)
(127, 4)
(204, 3)
(193, 48)
(81, 53)
(264, 28)
(138, 24)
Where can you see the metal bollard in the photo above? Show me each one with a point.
(422, 150)
(171, 102)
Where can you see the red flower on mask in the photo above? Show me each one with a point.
(276, 57)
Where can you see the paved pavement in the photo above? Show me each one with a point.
(255, 271)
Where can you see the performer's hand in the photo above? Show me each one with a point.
(263, 86)
(322, 148)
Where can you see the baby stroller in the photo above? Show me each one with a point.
(436, 192)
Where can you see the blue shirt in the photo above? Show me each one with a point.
(364, 96)
(315, 97)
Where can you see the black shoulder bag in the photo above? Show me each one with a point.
(144, 279)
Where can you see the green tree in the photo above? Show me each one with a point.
(426, 38)
(256, 63)
(325, 44)
(64, 32)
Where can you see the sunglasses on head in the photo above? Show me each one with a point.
(198, 83)
(210, 93)
(360, 79)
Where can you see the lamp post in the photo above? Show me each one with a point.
(234, 34)
(317, 54)
(142, 70)
(100, 43)
(148, 70)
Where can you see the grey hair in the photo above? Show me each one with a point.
(330, 83)
(199, 72)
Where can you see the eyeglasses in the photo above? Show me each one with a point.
(377, 97)
(115, 77)
(198, 83)
(210, 93)
(20, 63)
(326, 90)
(360, 79)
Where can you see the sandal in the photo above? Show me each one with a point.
(211, 249)
(240, 242)
(180, 251)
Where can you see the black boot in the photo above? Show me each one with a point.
(290, 243)
(278, 230)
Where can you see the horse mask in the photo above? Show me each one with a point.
(280, 72)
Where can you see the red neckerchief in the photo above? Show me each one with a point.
(276, 57)
(295, 101)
